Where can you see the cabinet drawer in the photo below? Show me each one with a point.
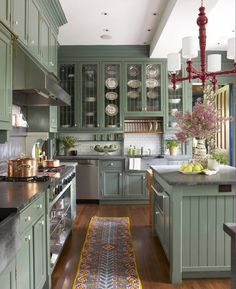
(29, 215)
(112, 164)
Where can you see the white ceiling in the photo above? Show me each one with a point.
(128, 23)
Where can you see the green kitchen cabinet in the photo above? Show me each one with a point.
(68, 116)
(112, 100)
(44, 32)
(31, 259)
(89, 97)
(135, 185)
(8, 277)
(5, 11)
(19, 19)
(33, 28)
(5, 81)
(111, 179)
(53, 46)
(144, 88)
(24, 262)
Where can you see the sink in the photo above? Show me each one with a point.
(9, 235)
(6, 212)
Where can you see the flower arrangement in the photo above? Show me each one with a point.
(221, 156)
(204, 122)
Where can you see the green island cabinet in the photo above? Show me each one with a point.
(188, 216)
(31, 259)
(8, 276)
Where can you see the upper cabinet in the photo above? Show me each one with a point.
(5, 11)
(144, 89)
(89, 96)
(19, 19)
(5, 81)
(111, 115)
(33, 28)
(53, 46)
(44, 32)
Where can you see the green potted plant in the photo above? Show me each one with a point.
(69, 142)
(172, 145)
(218, 157)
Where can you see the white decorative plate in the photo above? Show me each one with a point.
(90, 99)
(152, 94)
(133, 70)
(133, 94)
(174, 100)
(111, 109)
(151, 83)
(111, 70)
(111, 83)
(134, 83)
(111, 95)
(152, 71)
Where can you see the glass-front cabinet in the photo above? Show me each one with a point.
(89, 96)
(68, 114)
(112, 117)
(143, 88)
(174, 103)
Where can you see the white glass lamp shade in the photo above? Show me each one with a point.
(231, 49)
(214, 62)
(173, 62)
(189, 47)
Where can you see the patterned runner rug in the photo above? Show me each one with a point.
(107, 259)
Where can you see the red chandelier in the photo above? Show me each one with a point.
(190, 51)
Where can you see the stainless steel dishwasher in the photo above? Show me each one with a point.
(87, 180)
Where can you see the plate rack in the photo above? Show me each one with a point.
(152, 125)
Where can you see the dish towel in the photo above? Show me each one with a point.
(134, 163)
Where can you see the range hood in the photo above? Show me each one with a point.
(32, 86)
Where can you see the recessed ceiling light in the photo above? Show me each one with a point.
(144, 43)
(149, 30)
(154, 14)
(106, 30)
(106, 36)
(105, 13)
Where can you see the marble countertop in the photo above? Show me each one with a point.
(172, 175)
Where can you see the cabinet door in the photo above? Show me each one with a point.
(89, 96)
(135, 185)
(112, 183)
(153, 91)
(33, 28)
(24, 262)
(112, 116)
(5, 81)
(44, 42)
(174, 104)
(19, 19)
(7, 277)
(53, 53)
(53, 118)
(134, 93)
(39, 250)
(5, 11)
(69, 114)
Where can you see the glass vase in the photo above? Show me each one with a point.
(199, 154)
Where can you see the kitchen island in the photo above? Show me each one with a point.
(188, 216)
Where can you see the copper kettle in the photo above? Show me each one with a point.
(22, 167)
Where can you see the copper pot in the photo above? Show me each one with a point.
(22, 168)
(51, 163)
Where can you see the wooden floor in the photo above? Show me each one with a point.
(152, 264)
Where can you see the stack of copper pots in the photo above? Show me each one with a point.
(22, 168)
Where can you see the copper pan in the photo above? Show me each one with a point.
(51, 163)
(22, 168)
